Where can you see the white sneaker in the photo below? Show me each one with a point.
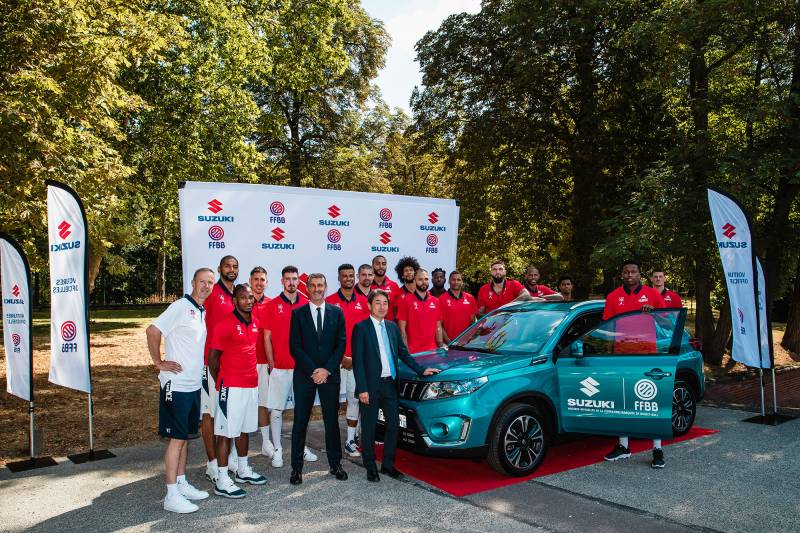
(268, 449)
(190, 492)
(352, 449)
(211, 473)
(179, 504)
(309, 456)
(277, 458)
(246, 475)
(225, 487)
(233, 461)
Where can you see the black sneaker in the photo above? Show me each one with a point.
(658, 458)
(619, 452)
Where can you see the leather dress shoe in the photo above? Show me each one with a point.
(372, 474)
(339, 472)
(296, 478)
(392, 472)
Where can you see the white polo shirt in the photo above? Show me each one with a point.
(183, 325)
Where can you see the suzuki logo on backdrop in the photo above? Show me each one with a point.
(729, 230)
(16, 300)
(431, 240)
(433, 218)
(589, 387)
(334, 236)
(277, 234)
(385, 238)
(334, 211)
(215, 206)
(64, 232)
(15, 290)
(63, 229)
(385, 216)
(277, 209)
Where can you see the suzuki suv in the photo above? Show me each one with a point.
(530, 370)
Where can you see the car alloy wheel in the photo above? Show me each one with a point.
(523, 442)
(684, 408)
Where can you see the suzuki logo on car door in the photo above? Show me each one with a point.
(589, 387)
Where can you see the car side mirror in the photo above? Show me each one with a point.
(576, 349)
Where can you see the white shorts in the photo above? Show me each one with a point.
(237, 411)
(208, 394)
(348, 382)
(263, 384)
(280, 389)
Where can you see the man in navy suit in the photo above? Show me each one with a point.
(377, 346)
(317, 343)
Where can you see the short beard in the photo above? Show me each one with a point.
(230, 276)
(497, 279)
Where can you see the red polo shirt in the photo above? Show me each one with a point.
(259, 313)
(236, 339)
(278, 318)
(355, 310)
(421, 316)
(671, 298)
(393, 289)
(538, 291)
(490, 300)
(397, 300)
(636, 333)
(457, 313)
(218, 306)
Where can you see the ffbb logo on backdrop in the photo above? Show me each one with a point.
(68, 333)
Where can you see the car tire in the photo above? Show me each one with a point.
(519, 440)
(684, 408)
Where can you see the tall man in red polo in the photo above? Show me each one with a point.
(459, 308)
(355, 307)
(499, 291)
(218, 306)
(531, 284)
(406, 270)
(258, 282)
(232, 363)
(380, 281)
(633, 296)
(276, 343)
(658, 281)
(420, 318)
(365, 278)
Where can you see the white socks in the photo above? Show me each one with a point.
(222, 473)
(212, 464)
(181, 478)
(242, 464)
(656, 444)
(623, 441)
(172, 490)
(264, 433)
(275, 423)
(351, 433)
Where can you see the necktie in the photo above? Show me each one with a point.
(319, 323)
(388, 348)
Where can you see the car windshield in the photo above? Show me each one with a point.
(511, 331)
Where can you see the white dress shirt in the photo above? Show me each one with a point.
(386, 370)
(314, 314)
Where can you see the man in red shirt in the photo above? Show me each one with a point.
(218, 306)
(355, 308)
(420, 318)
(278, 318)
(499, 291)
(258, 282)
(380, 281)
(458, 308)
(633, 296)
(365, 278)
(437, 280)
(531, 284)
(232, 363)
(658, 279)
(406, 270)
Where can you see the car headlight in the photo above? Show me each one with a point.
(446, 389)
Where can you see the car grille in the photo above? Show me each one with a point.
(412, 390)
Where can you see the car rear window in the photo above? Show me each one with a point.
(511, 331)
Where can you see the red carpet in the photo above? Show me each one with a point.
(462, 477)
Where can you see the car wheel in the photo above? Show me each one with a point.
(519, 440)
(684, 408)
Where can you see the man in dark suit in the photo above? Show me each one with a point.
(317, 343)
(377, 346)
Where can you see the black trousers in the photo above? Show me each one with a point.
(384, 398)
(304, 391)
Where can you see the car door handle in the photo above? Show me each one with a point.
(657, 373)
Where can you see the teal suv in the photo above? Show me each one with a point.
(531, 370)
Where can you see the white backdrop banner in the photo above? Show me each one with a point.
(766, 357)
(735, 244)
(69, 314)
(16, 281)
(314, 229)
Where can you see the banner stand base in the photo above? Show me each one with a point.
(31, 464)
(772, 419)
(91, 455)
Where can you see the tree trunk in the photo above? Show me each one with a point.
(95, 260)
(719, 340)
(704, 314)
(791, 337)
(295, 145)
